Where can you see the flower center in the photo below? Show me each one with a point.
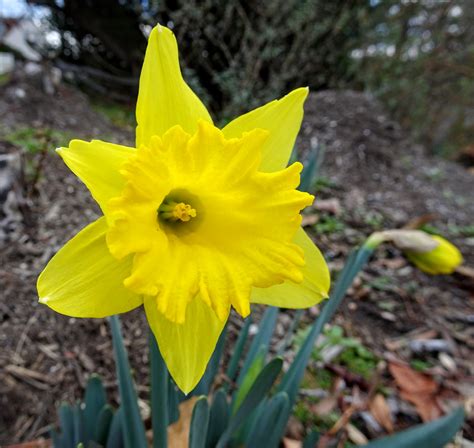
(176, 211)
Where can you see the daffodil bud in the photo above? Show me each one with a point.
(443, 259)
(430, 253)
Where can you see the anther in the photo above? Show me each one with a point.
(173, 211)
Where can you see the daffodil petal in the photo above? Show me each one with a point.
(84, 280)
(97, 164)
(186, 348)
(282, 118)
(164, 98)
(312, 290)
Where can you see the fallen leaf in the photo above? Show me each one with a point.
(40, 443)
(417, 388)
(426, 405)
(309, 220)
(410, 380)
(324, 406)
(355, 435)
(332, 206)
(291, 443)
(381, 412)
(178, 432)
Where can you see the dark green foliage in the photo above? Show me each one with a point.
(199, 424)
(256, 394)
(273, 415)
(435, 434)
(133, 429)
(91, 423)
(159, 380)
(219, 418)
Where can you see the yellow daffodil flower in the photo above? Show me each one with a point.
(196, 219)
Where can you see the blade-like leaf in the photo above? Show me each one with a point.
(256, 394)
(238, 350)
(174, 398)
(199, 424)
(115, 437)
(133, 429)
(102, 428)
(311, 439)
(249, 378)
(56, 438)
(159, 395)
(311, 167)
(435, 434)
(204, 385)
(66, 422)
(95, 400)
(271, 423)
(219, 418)
(261, 339)
(78, 422)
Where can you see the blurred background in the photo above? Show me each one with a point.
(387, 141)
(415, 56)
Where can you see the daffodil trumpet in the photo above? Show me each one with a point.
(196, 219)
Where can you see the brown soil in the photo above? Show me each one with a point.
(380, 178)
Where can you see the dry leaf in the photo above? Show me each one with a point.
(291, 443)
(178, 432)
(332, 206)
(309, 220)
(324, 406)
(355, 435)
(426, 405)
(418, 389)
(40, 443)
(381, 411)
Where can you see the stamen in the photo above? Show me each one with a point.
(174, 211)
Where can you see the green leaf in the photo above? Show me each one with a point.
(103, 423)
(311, 168)
(174, 398)
(159, 395)
(435, 434)
(212, 368)
(249, 378)
(94, 401)
(56, 438)
(261, 339)
(78, 422)
(256, 394)
(199, 424)
(219, 418)
(115, 438)
(133, 429)
(311, 439)
(66, 423)
(271, 423)
(238, 350)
